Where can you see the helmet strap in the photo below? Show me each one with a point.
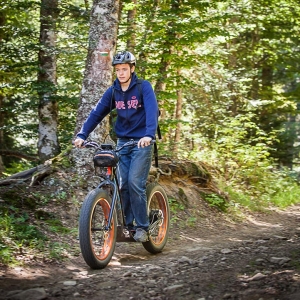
(130, 75)
(128, 79)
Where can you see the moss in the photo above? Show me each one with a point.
(199, 171)
(62, 160)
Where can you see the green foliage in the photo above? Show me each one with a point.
(191, 221)
(19, 36)
(56, 226)
(41, 198)
(58, 250)
(175, 205)
(18, 29)
(229, 60)
(22, 217)
(16, 167)
(237, 197)
(286, 192)
(259, 187)
(215, 200)
(16, 233)
(241, 153)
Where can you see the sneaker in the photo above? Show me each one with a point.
(130, 228)
(141, 235)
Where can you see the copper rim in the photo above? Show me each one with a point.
(160, 204)
(108, 237)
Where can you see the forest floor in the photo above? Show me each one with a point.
(213, 256)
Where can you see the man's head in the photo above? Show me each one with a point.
(124, 63)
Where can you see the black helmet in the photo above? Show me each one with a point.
(123, 57)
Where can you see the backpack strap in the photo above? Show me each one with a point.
(139, 86)
(158, 132)
(112, 97)
(156, 155)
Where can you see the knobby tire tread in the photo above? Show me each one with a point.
(156, 193)
(85, 239)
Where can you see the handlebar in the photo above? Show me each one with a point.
(92, 144)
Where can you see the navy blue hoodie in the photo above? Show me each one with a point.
(136, 118)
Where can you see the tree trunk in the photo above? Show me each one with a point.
(254, 89)
(160, 86)
(98, 76)
(48, 145)
(1, 134)
(232, 66)
(178, 114)
(105, 15)
(266, 80)
(131, 42)
(2, 23)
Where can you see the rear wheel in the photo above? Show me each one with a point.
(159, 218)
(97, 242)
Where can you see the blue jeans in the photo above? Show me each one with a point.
(133, 170)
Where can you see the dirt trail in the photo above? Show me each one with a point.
(257, 259)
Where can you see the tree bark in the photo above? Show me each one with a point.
(178, 115)
(34, 175)
(131, 42)
(1, 134)
(98, 76)
(266, 80)
(104, 20)
(48, 145)
(2, 23)
(232, 66)
(254, 89)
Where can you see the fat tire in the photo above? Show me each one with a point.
(97, 247)
(157, 199)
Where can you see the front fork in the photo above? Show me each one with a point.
(112, 182)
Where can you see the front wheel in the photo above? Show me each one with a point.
(97, 241)
(159, 218)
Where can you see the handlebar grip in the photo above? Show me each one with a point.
(88, 144)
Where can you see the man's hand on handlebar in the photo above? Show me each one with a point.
(78, 142)
(144, 142)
